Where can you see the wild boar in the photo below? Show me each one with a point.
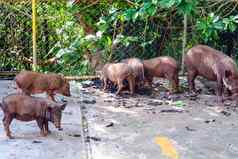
(26, 108)
(138, 69)
(33, 82)
(117, 73)
(212, 64)
(164, 67)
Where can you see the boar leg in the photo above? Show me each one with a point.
(120, 86)
(40, 125)
(148, 81)
(25, 92)
(191, 77)
(46, 127)
(219, 90)
(131, 81)
(176, 83)
(104, 84)
(19, 90)
(172, 83)
(6, 122)
(173, 86)
(228, 92)
(51, 95)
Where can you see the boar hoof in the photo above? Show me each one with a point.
(11, 137)
(220, 100)
(43, 134)
(193, 94)
(105, 90)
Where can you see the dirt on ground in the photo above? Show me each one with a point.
(148, 125)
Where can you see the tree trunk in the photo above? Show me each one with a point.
(184, 40)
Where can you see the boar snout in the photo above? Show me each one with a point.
(57, 114)
(68, 94)
(57, 125)
(65, 89)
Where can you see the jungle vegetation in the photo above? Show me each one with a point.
(71, 35)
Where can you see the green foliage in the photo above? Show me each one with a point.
(230, 23)
(144, 16)
(65, 38)
(119, 29)
(210, 26)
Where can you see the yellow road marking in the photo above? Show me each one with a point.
(167, 147)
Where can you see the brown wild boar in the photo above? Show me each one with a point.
(26, 108)
(212, 64)
(117, 73)
(164, 67)
(138, 69)
(33, 82)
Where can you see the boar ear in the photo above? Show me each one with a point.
(228, 73)
(62, 75)
(65, 79)
(62, 107)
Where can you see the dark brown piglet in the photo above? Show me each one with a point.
(26, 108)
(164, 67)
(117, 73)
(138, 69)
(33, 82)
(212, 64)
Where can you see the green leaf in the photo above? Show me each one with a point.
(179, 103)
(187, 6)
(135, 16)
(109, 41)
(151, 10)
(129, 14)
(235, 19)
(167, 3)
(232, 27)
(147, 5)
(219, 25)
(122, 18)
(155, 2)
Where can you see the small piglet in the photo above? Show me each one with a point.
(212, 64)
(138, 69)
(117, 73)
(27, 108)
(164, 67)
(33, 82)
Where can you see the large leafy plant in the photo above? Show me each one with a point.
(212, 25)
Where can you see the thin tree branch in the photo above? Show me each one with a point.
(132, 3)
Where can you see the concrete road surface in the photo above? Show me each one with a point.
(138, 127)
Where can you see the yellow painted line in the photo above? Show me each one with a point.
(167, 147)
